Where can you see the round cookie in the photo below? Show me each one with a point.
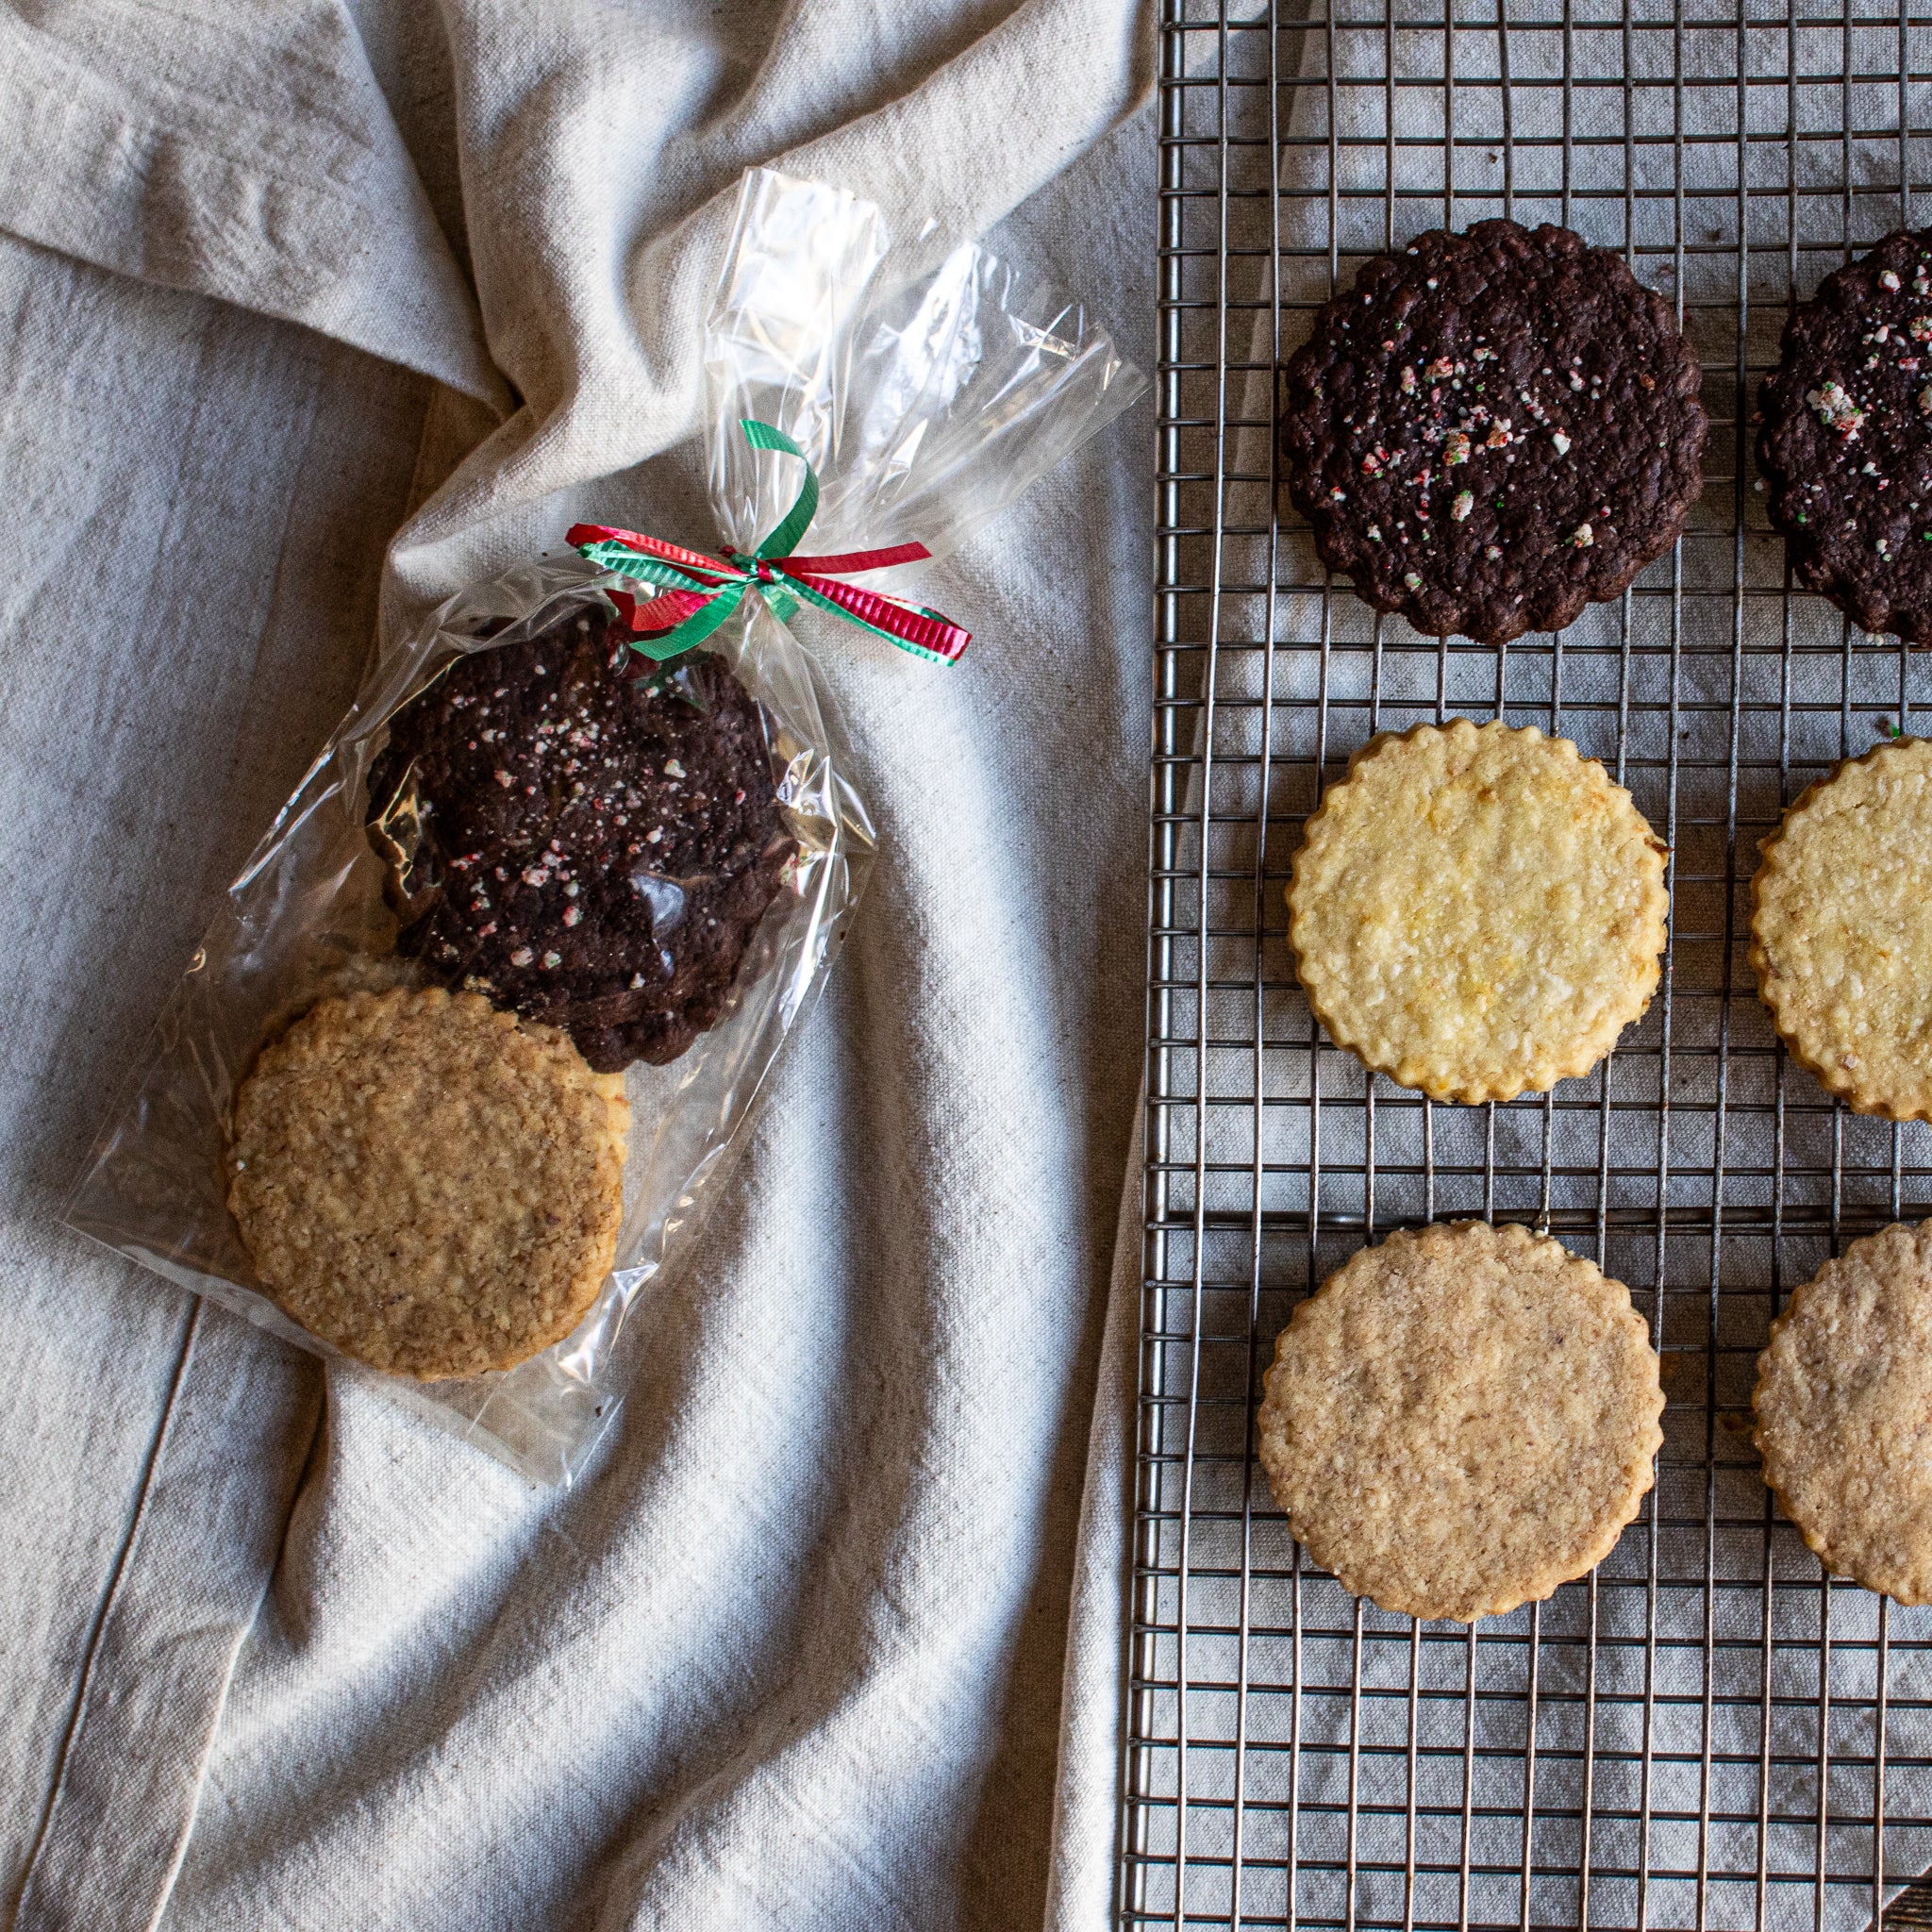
(1461, 1419)
(1844, 1412)
(1476, 911)
(1847, 442)
(428, 1183)
(1491, 431)
(1842, 930)
(592, 850)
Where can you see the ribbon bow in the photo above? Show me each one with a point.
(697, 592)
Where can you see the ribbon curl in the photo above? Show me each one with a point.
(697, 592)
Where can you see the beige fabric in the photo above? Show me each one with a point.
(792, 1653)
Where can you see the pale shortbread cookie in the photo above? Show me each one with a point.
(429, 1184)
(1477, 910)
(1844, 1412)
(1461, 1419)
(1842, 930)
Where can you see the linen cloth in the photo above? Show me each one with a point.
(273, 285)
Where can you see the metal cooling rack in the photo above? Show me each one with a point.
(1706, 1731)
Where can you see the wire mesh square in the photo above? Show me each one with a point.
(1706, 1731)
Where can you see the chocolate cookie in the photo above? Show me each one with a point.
(1491, 431)
(594, 851)
(1847, 438)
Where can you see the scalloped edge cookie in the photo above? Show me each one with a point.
(1461, 1419)
(1799, 882)
(430, 1185)
(1837, 1453)
(1345, 947)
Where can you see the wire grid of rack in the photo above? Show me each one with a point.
(1707, 1730)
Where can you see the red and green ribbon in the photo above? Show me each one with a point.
(696, 592)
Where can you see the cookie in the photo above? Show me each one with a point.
(1461, 1419)
(1846, 441)
(1844, 1412)
(1842, 930)
(1476, 911)
(426, 1182)
(591, 850)
(1491, 431)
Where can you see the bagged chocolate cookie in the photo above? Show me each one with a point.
(589, 815)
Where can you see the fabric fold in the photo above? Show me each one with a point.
(243, 155)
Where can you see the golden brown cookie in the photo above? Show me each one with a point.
(1477, 910)
(1842, 930)
(1461, 1419)
(428, 1183)
(1844, 1412)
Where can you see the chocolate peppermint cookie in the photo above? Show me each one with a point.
(1847, 438)
(1491, 431)
(591, 851)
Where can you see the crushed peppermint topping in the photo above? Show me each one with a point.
(1465, 502)
(1491, 553)
(1457, 448)
(1888, 280)
(1561, 442)
(553, 960)
(1836, 409)
(522, 957)
(1413, 581)
(1582, 537)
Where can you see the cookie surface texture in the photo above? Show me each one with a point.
(1842, 930)
(589, 851)
(1491, 431)
(1847, 442)
(1844, 1410)
(1476, 911)
(429, 1183)
(1461, 1419)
